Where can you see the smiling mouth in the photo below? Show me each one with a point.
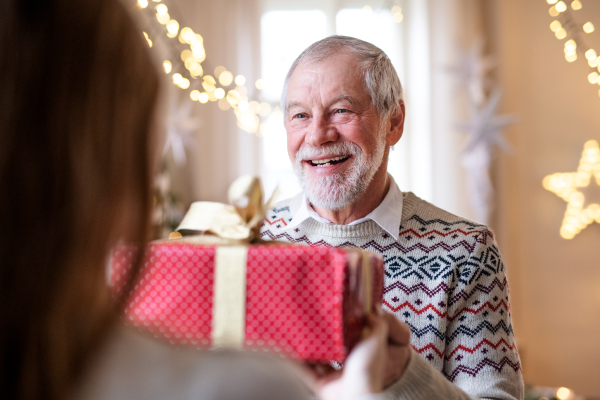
(328, 161)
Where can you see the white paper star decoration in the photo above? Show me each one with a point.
(471, 70)
(566, 185)
(180, 128)
(485, 127)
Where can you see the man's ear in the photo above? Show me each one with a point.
(396, 125)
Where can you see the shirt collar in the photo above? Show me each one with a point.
(387, 215)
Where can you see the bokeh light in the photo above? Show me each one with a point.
(240, 80)
(563, 393)
(147, 39)
(219, 93)
(187, 35)
(588, 27)
(163, 18)
(570, 50)
(167, 66)
(225, 78)
(162, 9)
(591, 54)
(172, 28)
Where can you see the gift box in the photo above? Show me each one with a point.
(227, 288)
(307, 303)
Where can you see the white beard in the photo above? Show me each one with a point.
(338, 191)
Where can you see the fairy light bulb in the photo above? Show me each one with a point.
(588, 27)
(167, 66)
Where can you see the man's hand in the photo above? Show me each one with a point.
(398, 349)
(377, 361)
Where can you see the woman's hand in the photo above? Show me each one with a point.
(375, 362)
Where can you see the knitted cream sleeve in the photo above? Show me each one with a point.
(421, 381)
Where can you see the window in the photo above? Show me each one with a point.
(284, 34)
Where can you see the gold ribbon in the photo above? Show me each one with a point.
(232, 228)
(368, 285)
(367, 289)
(229, 301)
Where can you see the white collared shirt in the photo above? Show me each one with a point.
(387, 214)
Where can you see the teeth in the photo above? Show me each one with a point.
(326, 162)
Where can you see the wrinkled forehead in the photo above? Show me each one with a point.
(341, 73)
(339, 59)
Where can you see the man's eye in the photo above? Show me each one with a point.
(300, 116)
(341, 111)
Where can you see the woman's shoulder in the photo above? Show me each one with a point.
(134, 366)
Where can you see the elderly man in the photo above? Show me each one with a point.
(343, 110)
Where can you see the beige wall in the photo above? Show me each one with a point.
(555, 283)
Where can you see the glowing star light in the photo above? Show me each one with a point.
(567, 185)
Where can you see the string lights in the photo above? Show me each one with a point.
(566, 26)
(230, 92)
(567, 185)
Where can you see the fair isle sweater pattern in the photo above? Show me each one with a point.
(444, 277)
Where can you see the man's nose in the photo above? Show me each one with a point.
(321, 132)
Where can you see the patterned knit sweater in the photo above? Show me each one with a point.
(444, 277)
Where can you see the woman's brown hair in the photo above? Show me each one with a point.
(77, 96)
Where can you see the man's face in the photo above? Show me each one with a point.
(335, 138)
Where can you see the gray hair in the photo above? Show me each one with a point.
(381, 78)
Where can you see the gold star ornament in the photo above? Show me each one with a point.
(569, 187)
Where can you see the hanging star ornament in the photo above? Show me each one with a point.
(180, 129)
(485, 127)
(569, 187)
(471, 70)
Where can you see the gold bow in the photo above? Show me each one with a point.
(232, 228)
(238, 223)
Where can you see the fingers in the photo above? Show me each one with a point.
(315, 376)
(320, 369)
(378, 326)
(399, 332)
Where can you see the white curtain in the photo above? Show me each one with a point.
(427, 159)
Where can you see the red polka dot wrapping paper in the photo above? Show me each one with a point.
(304, 302)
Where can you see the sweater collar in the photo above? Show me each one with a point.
(387, 215)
